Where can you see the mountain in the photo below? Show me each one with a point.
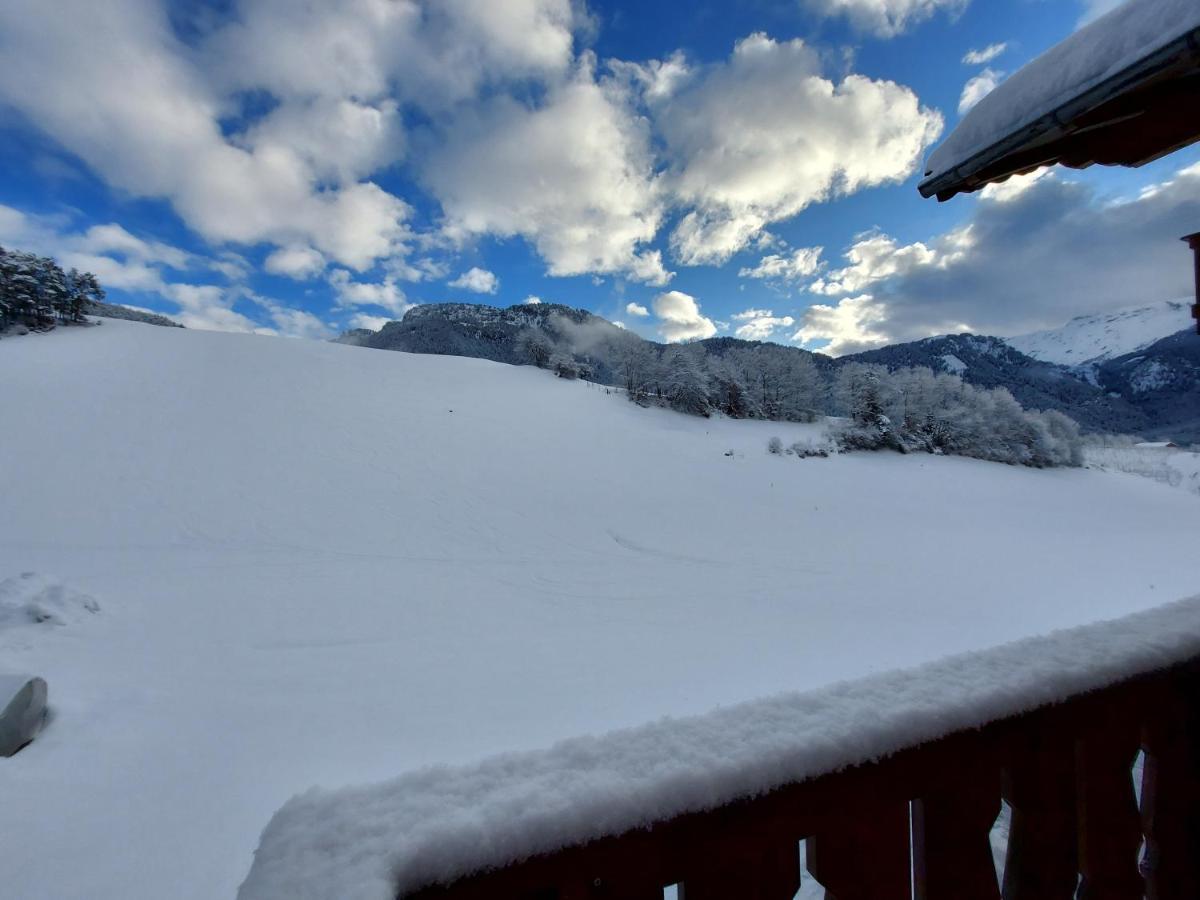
(1151, 392)
(1094, 339)
(113, 311)
(489, 332)
(1163, 381)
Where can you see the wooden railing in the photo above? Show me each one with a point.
(917, 823)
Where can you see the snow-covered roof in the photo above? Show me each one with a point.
(433, 825)
(1057, 108)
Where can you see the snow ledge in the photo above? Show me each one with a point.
(437, 824)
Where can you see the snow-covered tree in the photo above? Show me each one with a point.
(534, 347)
(684, 382)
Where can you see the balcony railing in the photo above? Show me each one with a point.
(1065, 771)
(893, 783)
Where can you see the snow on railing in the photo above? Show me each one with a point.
(867, 772)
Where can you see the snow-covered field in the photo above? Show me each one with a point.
(1176, 468)
(322, 565)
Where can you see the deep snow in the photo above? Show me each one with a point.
(324, 565)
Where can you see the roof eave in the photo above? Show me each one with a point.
(987, 166)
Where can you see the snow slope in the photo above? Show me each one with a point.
(324, 565)
(1101, 337)
(1177, 468)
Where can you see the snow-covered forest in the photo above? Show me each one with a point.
(36, 293)
(910, 409)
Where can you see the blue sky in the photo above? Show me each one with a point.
(304, 168)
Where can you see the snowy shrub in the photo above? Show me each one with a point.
(775, 446)
(805, 449)
(917, 410)
(563, 366)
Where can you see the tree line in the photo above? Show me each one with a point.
(37, 293)
(907, 409)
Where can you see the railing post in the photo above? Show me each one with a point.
(952, 851)
(766, 871)
(1171, 793)
(1110, 829)
(1039, 785)
(864, 857)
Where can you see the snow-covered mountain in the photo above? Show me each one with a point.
(1094, 339)
(320, 564)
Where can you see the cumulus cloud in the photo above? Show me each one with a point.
(985, 54)
(802, 262)
(680, 317)
(764, 135)
(123, 261)
(572, 174)
(367, 321)
(884, 18)
(977, 88)
(1028, 258)
(386, 293)
(296, 261)
(655, 79)
(876, 256)
(636, 309)
(760, 324)
(289, 322)
(850, 326)
(481, 281)
(161, 134)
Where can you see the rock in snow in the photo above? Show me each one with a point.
(22, 711)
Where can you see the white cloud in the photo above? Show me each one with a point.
(636, 309)
(885, 18)
(160, 135)
(386, 294)
(802, 262)
(850, 326)
(765, 135)
(681, 319)
(984, 55)
(112, 238)
(1004, 191)
(532, 300)
(1029, 258)
(977, 88)
(369, 322)
(125, 262)
(289, 322)
(874, 257)
(572, 174)
(655, 79)
(296, 261)
(760, 324)
(481, 281)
